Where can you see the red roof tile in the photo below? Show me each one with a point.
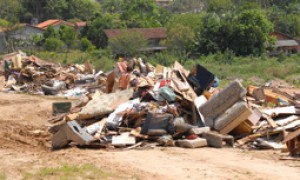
(149, 33)
(52, 22)
(80, 24)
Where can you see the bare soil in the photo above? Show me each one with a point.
(24, 147)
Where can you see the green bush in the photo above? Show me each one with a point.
(86, 45)
(105, 64)
(53, 44)
(163, 58)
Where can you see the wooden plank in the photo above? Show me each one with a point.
(270, 120)
(292, 135)
(233, 124)
(281, 110)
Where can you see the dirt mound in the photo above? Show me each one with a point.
(17, 135)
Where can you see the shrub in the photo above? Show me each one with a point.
(86, 45)
(53, 44)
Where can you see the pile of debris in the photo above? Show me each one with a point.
(30, 74)
(138, 105)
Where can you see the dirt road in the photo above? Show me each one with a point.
(24, 148)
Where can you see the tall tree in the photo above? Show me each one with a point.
(9, 10)
(251, 32)
(111, 6)
(143, 13)
(127, 43)
(82, 9)
(181, 39)
(68, 36)
(94, 31)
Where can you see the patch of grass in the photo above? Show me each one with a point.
(3, 176)
(86, 171)
(247, 67)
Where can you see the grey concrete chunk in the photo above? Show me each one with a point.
(217, 140)
(195, 143)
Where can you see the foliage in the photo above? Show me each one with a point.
(95, 30)
(112, 6)
(289, 24)
(245, 34)
(68, 35)
(208, 35)
(50, 32)
(55, 8)
(62, 9)
(193, 21)
(53, 44)
(4, 23)
(251, 31)
(86, 45)
(180, 6)
(180, 38)
(142, 13)
(219, 6)
(127, 43)
(9, 10)
(162, 58)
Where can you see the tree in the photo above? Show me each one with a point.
(219, 6)
(251, 32)
(53, 44)
(208, 35)
(68, 35)
(70, 9)
(111, 6)
(86, 45)
(289, 24)
(56, 8)
(181, 6)
(94, 31)
(127, 43)
(191, 20)
(142, 14)
(244, 34)
(181, 39)
(9, 10)
(50, 32)
(82, 9)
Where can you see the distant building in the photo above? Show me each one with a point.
(56, 23)
(153, 35)
(79, 26)
(20, 34)
(284, 44)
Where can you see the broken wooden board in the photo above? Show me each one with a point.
(269, 120)
(237, 121)
(281, 110)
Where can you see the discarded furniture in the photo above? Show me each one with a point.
(226, 110)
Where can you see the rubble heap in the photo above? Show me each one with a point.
(138, 105)
(30, 74)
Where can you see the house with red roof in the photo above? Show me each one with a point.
(56, 23)
(153, 35)
(284, 43)
(20, 34)
(79, 26)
